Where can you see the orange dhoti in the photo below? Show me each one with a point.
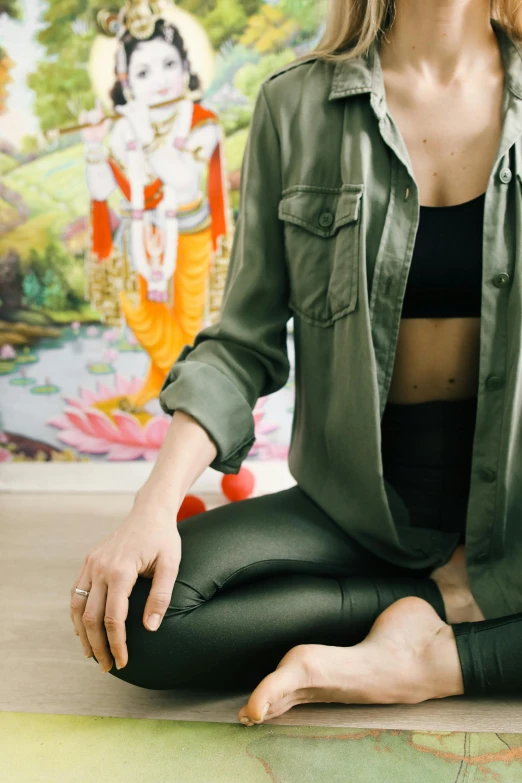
(162, 330)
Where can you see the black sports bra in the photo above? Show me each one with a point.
(445, 277)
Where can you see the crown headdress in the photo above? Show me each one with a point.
(137, 17)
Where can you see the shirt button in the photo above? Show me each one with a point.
(505, 175)
(487, 474)
(494, 382)
(326, 219)
(501, 280)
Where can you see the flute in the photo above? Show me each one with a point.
(54, 133)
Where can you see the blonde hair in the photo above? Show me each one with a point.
(353, 25)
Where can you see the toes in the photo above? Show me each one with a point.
(274, 690)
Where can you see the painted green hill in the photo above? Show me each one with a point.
(53, 188)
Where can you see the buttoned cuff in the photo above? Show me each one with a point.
(212, 399)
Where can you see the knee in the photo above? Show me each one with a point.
(164, 658)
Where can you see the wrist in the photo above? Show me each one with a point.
(161, 498)
(95, 152)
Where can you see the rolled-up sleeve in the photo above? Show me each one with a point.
(244, 355)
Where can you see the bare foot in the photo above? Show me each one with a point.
(452, 580)
(409, 656)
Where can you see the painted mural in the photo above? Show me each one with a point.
(122, 132)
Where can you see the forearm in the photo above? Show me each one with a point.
(186, 452)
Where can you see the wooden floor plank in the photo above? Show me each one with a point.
(43, 541)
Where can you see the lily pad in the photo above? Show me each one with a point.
(26, 357)
(6, 367)
(100, 368)
(48, 388)
(125, 345)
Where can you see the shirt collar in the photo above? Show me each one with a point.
(364, 74)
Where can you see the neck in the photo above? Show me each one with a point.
(165, 112)
(440, 41)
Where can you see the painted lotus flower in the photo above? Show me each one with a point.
(264, 448)
(110, 355)
(7, 352)
(111, 336)
(93, 424)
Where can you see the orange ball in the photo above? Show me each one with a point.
(191, 505)
(238, 486)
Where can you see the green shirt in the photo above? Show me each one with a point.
(329, 210)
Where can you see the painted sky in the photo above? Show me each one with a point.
(19, 38)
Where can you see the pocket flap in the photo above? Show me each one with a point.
(321, 210)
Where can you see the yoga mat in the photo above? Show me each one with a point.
(61, 749)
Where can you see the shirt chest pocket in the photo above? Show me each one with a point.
(322, 234)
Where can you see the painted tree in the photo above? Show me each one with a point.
(5, 77)
(10, 8)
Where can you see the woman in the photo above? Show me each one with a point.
(352, 586)
(169, 229)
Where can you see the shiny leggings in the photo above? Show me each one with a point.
(260, 576)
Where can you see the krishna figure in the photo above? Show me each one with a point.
(154, 270)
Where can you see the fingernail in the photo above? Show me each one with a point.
(265, 710)
(246, 722)
(153, 621)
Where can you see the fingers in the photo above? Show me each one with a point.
(99, 619)
(77, 608)
(117, 609)
(93, 623)
(160, 593)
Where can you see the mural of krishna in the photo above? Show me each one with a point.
(153, 271)
(115, 224)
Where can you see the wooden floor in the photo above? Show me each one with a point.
(43, 541)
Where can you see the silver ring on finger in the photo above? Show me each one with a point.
(81, 592)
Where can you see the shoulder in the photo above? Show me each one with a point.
(302, 65)
(287, 84)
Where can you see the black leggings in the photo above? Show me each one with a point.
(260, 576)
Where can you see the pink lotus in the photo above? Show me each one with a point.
(5, 454)
(7, 352)
(264, 448)
(90, 426)
(110, 355)
(111, 336)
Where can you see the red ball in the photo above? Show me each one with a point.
(191, 505)
(238, 486)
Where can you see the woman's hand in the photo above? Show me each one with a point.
(146, 544)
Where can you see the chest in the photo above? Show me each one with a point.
(451, 135)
